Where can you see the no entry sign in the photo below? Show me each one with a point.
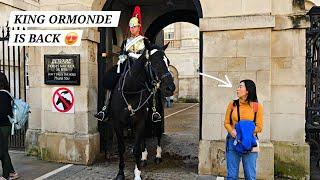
(63, 100)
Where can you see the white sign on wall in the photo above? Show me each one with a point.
(63, 99)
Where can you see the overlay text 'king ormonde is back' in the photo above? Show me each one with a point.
(56, 19)
(64, 18)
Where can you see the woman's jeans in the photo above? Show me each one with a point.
(7, 167)
(233, 161)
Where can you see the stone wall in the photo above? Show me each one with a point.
(184, 56)
(70, 138)
(6, 6)
(186, 62)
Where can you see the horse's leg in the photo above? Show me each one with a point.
(144, 155)
(121, 149)
(139, 125)
(108, 139)
(159, 127)
(158, 159)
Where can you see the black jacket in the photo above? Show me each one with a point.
(5, 109)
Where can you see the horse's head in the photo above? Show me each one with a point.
(160, 63)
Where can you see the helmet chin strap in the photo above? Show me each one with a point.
(132, 35)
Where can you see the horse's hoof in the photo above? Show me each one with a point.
(120, 177)
(158, 160)
(143, 163)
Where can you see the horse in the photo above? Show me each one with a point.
(139, 82)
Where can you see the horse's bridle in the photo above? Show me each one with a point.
(151, 70)
(155, 85)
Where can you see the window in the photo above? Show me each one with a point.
(169, 35)
(169, 32)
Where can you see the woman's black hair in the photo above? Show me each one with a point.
(251, 88)
(4, 84)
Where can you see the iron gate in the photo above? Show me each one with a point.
(312, 125)
(13, 64)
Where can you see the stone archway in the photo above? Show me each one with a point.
(153, 12)
(155, 16)
(169, 18)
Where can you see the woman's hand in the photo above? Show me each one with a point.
(234, 133)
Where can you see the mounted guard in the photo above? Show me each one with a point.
(132, 48)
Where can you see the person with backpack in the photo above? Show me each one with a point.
(5, 129)
(243, 121)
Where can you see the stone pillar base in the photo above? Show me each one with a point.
(212, 159)
(31, 143)
(66, 148)
(292, 160)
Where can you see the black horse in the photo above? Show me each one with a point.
(141, 79)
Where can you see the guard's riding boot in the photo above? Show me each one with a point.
(103, 115)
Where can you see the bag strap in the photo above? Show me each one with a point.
(13, 123)
(238, 109)
(236, 103)
(255, 110)
(7, 93)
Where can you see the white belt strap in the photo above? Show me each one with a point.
(134, 55)
(131, 43)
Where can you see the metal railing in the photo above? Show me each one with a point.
(312, 109)
(13, 64)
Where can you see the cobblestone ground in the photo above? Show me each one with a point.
(179, 145)
(168, 169)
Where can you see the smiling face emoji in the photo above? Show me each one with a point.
(71, 38)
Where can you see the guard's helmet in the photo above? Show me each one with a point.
(136, 19)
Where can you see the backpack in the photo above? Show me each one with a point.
(245, 140)
(20, 111)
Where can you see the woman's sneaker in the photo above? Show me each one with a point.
(14, 175)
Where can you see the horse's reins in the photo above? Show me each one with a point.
(155, 82)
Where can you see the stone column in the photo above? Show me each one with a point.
(69, 138)
(291, 153)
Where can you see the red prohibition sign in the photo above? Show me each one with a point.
(63, 100)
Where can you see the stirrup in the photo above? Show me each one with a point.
(102, 115)
(156, 117)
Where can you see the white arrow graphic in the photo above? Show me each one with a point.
(227, 84)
